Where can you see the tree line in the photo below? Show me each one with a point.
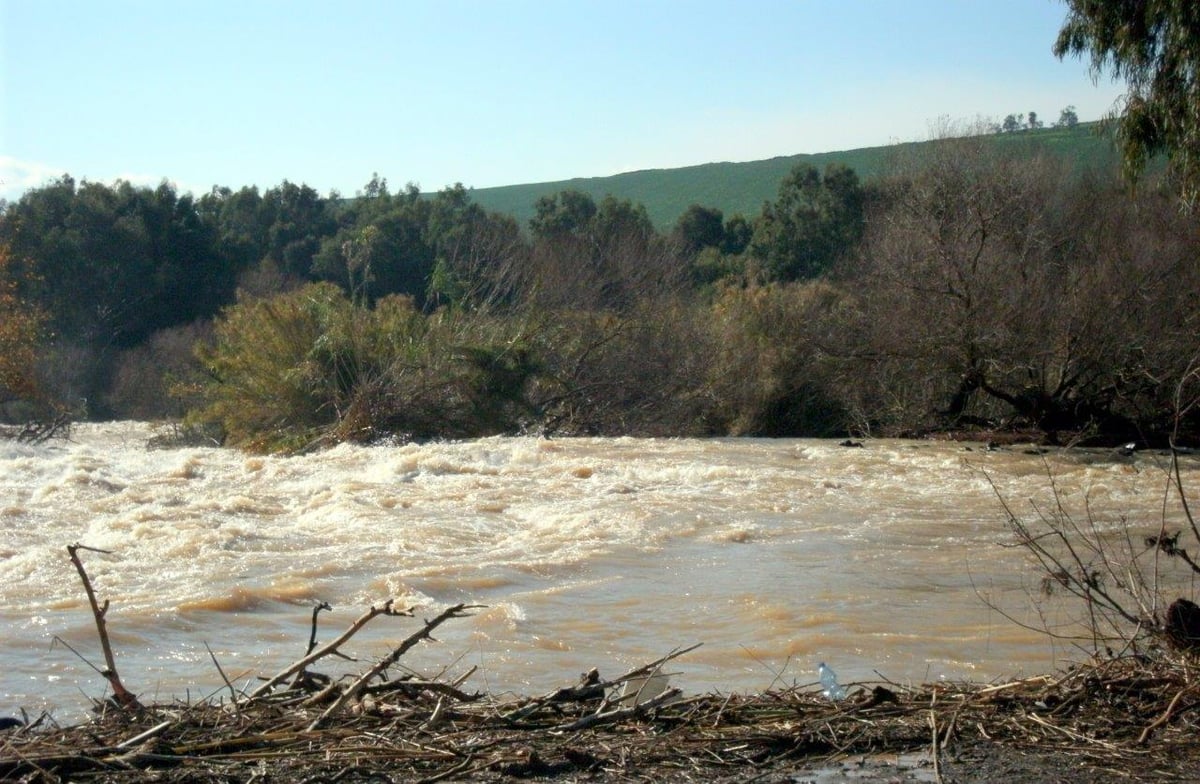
(1013, 123)
(966, 289)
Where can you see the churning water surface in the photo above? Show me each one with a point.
(892, 560)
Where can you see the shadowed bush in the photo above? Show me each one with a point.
(769, 375)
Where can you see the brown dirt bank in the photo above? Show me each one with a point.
(1115, 721)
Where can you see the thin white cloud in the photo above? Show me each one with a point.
(18, 176)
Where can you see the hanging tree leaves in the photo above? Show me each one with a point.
(1154, 45)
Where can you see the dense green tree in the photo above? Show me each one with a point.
(568, 212)
(451, 212)
(621, 218)
(375, 188)
(400, 254)
(298, 218)
(1154, 46)
(699, 228)
(738, 233)
(109, 266)
(434, 250)
(814, 220)
(112, 264)
(242, 221)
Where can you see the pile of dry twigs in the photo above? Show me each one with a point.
(1115, 716)
(1125, 715)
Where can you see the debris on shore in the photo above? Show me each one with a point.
(1126, 715)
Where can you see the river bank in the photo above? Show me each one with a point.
(1115, 720)
(1126, 717)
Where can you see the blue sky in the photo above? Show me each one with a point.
(495, 93)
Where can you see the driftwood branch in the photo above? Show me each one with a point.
(620, 714)
(221, 672)
(457, 611)
(304, 677)
(295, 667)
(654, 666)
(122, 696)
(591, 688)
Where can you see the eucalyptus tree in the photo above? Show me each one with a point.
(1154, 46)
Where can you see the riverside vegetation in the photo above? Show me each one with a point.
(974, 283)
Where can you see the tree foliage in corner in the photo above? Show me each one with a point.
(1154, 45)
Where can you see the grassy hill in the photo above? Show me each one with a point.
(743, 187)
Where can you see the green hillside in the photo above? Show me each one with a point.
(743, 187)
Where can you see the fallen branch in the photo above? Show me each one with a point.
(312, 636)
(589, 688)
(1167, 715)
(221, 672)
(620, 714)
(41, 431)
(424, 633)
(121, 696)
(153, 732)
(295, 667)
(646, 672)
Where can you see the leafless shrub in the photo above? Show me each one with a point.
(1007, 292)
(1131, 582)
(482, 264)
(151, 381)
(642, 371)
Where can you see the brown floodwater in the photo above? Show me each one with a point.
(893, 560)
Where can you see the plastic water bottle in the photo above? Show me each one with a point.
(829, 684)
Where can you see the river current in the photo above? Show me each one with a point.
(893, 560)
